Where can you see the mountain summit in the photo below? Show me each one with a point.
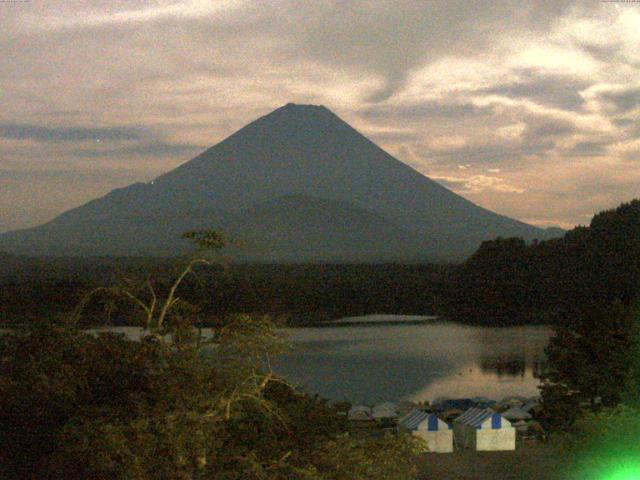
(298, 184)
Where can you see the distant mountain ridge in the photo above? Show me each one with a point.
(296, 185)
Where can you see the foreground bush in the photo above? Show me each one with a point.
(76, 405)
(173, 405)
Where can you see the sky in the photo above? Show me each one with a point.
(529, 109)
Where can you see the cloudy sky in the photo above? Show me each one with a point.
(528, 108)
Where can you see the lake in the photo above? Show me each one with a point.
(367, 360)
(372, 363)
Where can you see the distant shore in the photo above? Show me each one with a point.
(379, 319)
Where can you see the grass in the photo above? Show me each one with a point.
(539, 462)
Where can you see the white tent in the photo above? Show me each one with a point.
(384, 410)
(484, 429)
(359, 412)
(514, 401)
(436, 433)
(516, 413)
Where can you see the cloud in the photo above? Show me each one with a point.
(65, 134)
(478, 184)
(428, 108)
(146, 149)
(550, 127)
(619, 98)
(146, 13)
(560, 91)
(589, 148)
(541, 91)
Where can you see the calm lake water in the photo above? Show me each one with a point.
(414, 362)
(372, 363)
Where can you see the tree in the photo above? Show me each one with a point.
(604, 444)
(588, 362)
(592, 355)
(177, 404)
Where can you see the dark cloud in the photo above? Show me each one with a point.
(64, 174)
(550, 128)
(18, 131)
(589, 148)
(625, 100)
(552, 90)
(428, 109)
(392, 38)
(536, 140)
(542, 134)
(623, 122)
(603, 53)
(149, 149)
(392, 137)
(472, 154)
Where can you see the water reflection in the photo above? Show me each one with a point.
(512, 365)
(509, 365)
(417, 362)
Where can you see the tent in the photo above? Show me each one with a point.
(437, 434)
(453, 404)
(481, 400)
(514, 401)
(385, 410)
(516, 413)
(484, 429)
(359, 412)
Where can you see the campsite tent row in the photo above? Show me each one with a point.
(512, 408)
(442, 404)
(382, 411)
(477, 429)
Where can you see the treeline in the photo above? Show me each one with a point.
(298, 293)
(507, 281)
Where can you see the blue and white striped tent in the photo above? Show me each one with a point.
(484, 429)
(419, 420)
(436, 433)
(479, 418)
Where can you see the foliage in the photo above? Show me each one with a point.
(302, 293)
(75, 405)
(588, 362)
(177, 404)
(604, 444)
(497, 286)
(507, 282)
(593, 357)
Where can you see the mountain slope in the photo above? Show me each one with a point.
(294, 154)
(293, 228)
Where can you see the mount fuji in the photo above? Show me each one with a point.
(297, 185)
